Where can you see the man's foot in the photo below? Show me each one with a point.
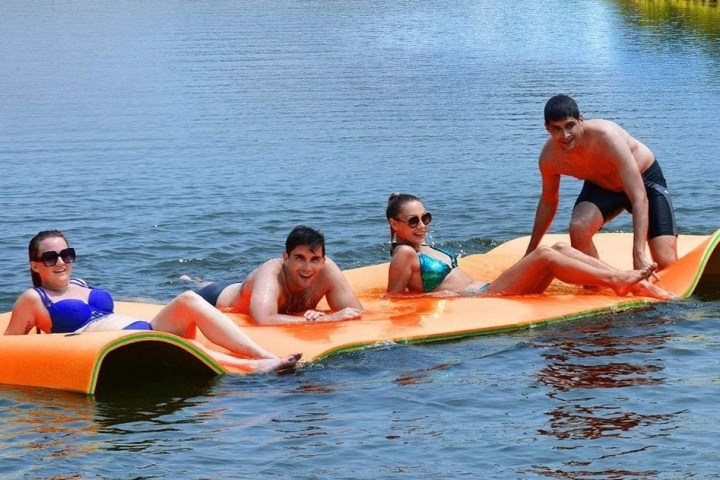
(197, 281)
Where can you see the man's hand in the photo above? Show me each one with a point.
(640, 262)
(347, 313)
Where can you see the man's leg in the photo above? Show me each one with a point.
(663, 250)
(585, 222)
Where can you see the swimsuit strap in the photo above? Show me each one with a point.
(453, 256)
(44, 297)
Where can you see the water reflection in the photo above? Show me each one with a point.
(564, 373)
(578, 421)
(586, 365)
(68, 426)
(308, 424)
(612, 473)
(60, 424)
(424, 375)
(590, 354)
(699, 17)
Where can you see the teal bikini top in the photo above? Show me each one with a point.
(434, 271)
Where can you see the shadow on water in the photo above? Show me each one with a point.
(586, 365)
(148, 398)
(148, 379)
(145, 381)
(128, 394)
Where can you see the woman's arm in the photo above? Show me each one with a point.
(27, 314)
(404, 262)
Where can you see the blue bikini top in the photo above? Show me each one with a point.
(69, 315)
(434, 271)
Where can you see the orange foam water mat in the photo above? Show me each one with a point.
(84, 362)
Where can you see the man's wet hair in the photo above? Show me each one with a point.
(303, 235)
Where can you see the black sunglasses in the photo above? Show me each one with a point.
(50, 258)
(414, 221)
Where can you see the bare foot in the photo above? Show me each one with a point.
(649, 289)
(629, 279)
(266, 365)
(197, 281)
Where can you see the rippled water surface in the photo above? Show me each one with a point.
(179, 137)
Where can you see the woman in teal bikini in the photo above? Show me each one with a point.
(419, 268)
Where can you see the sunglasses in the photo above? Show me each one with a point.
(414, 221)
(50, 258)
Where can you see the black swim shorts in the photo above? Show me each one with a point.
(212, 291)
(660, 209)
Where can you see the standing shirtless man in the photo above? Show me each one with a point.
(620, 173)
(288, 289)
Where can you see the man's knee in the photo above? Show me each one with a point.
(585, 222)
(663, 250)
(581, 232)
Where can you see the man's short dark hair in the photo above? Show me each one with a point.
(561, 107)
(302, 235)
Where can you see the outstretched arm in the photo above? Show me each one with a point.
(546, 209)
(632, 182)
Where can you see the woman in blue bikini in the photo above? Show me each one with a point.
(419, 268)
(57, 303)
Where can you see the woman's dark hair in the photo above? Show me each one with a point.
(34, 246)
(395, 203)
(302, 235)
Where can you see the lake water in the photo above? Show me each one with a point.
(182, 137)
